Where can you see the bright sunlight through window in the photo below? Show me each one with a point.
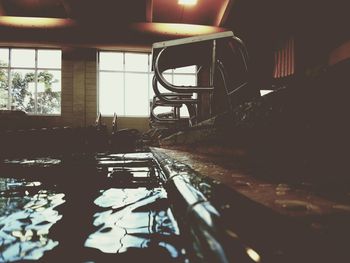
(30, 80)
(125, 83)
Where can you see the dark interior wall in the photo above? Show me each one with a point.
(251, 21)
(318, 28)
(321, 26)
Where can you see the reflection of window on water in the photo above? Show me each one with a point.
(30, 80)
(125, 83)
(27, 217)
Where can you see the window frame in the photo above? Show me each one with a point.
(36, 69)
(149, 73)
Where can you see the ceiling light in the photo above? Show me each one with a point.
(34, 22)
(173, 29)
(187, 2)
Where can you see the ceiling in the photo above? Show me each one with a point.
(205, 12)
(107, 22)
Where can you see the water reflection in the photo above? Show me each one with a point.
(134, 218)
(129, 220)
(42, 162)
(26, 217)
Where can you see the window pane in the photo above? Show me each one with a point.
(168, 77)
(49, 92)
(111, 61)
(189, 69)
(136, 62)
(186, 80)
(4, 57)
(136, 94)
(49, 58)
(3, 89)
(151, 92)
(23, 90)
(24, 58)
(111, 93)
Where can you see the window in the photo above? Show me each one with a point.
(125, 82)
(30, 80)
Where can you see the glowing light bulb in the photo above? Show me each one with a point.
(187, 2)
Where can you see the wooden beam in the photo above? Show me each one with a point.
(149, 11)
(224, 13)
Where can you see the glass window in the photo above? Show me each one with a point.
(111, 93)
(136, 94)
(49, 58)
(23, 58)
(125, 83)
(23, 90)
(35, 80)
(4, 57)
(189, 70)
(111, 61)
(3, 89)
(136, 62)
(185, 80)
(49, 92)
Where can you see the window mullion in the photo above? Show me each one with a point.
(98, 82)
(36, 83)
(148, 85)
(124, 75)
(9, 88)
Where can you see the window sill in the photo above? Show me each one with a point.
(44, 115)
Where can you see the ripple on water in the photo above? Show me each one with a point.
(134, 218)
(25, 220)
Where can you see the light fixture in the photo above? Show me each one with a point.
(35, 22)
(187, 2)
(174, 29)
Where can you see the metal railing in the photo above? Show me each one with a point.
(202, 51)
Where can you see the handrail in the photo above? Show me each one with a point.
(182, 95)
(242, 49)
(223, 73)
(158, 102)
(186, 89)
(167, 120)
(171, 87)
(166, 98)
